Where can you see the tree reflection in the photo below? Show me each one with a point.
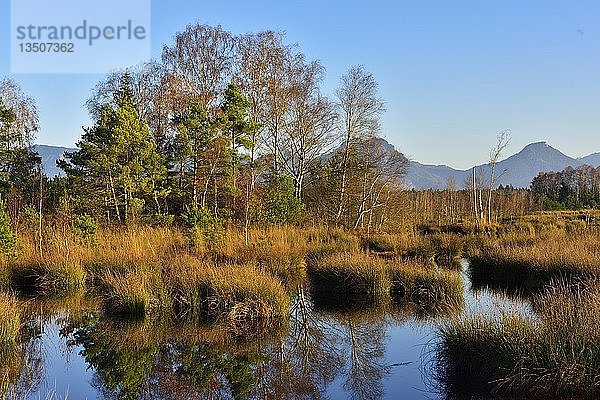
(367, 361)
(153, 360)
(149, 361)
(306, 361)
(323, 345)
(22, 365)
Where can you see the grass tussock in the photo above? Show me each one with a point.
(244, 297)
(554, 356)
(323, 242)
(449, 249)
(353, 279)
(241, 279)
(530, 263)
(350, 277)
(442, 249)
(49, 277)
(430, 289)
(130, 295)
(289, 269)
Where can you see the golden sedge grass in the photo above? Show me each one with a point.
(530, 263)
(353, 279)
(433, 290)
(243, 296)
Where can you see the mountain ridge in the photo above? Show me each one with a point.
(517, 170)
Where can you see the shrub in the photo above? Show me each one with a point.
(8, 240)
(202, 227)
(85, 228)
(281, 203)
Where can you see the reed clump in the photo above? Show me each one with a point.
(355, 279)
(448, 249)
(351, 277)
(531, 263)
(279, 251)
(553, 355)
(384, 243)
(130, 295)
(246, 298)
(289, 269)
(429, 288)
(49, 277)
(443, 249)
(323, 242)
(266, 241)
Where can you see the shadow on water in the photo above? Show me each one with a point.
(331, 348)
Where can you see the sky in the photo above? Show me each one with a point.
(452, 73)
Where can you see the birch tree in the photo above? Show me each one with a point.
(310, 126)
(360, 109)
(18, 126)
(502, 140)
(198, 67)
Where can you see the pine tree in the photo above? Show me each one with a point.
(117, 167)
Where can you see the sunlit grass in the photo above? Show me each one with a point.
(429, 288)
(242, 296)
(131, 295)
(357, 278)
(530, 262)
(351, 277)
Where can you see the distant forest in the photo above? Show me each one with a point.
(573, 188)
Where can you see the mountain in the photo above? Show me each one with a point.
(593, 159)
(517, 170)
(49, 155)
(424, 176)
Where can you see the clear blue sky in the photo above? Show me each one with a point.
(453, 73)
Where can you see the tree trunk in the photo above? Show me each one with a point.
(114, 195)
(344, 173)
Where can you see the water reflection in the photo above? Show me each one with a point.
(330, 349)
(155, 360)
(22, 366)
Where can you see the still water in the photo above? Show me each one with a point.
(371, 353)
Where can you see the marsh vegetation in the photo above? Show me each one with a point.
(225, 230)
(246, 320)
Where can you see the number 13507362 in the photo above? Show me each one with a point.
(49, 47)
